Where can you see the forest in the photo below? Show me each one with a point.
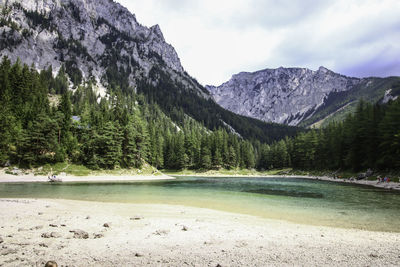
(43, 122)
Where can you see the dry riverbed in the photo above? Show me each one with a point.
(78, 233)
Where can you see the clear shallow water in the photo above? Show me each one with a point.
(297, 200)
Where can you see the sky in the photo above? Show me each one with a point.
(218, 38)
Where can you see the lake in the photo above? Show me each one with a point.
(303, 201)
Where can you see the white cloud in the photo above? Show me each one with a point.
(216, 39)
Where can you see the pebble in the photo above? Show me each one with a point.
(1, 240)
(51, 235)
(96, 236)
(184, 228)
(107, 225)
(136, 218)
(53, 225)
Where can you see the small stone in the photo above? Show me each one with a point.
(96, 236)
(184, 228)
(374, 255)
(63, 225)
(1, 240)
(138, 255)
(136, 218)
(40, 213)
(51, 235)
(87, 217)
(218, 265)
(44, 245)
(53, 225)
(107, 225)
(9, 235)
(80, 234)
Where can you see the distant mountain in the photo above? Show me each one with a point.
(101, 42)
(298, 96)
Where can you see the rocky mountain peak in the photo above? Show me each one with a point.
(282, 95)
(97, 40)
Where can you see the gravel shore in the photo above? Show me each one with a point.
(78, 233)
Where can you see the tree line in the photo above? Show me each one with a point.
(42, 121)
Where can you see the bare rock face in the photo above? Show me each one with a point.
(283, 95)
(93, 37)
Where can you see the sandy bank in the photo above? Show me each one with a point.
(29, 178)
(36, 231)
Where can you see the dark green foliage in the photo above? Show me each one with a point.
(170, 96)
(128, 130)
(367, 139)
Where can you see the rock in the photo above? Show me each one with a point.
(218, 265)
(107, 225)
(138, 255)
(63, 225)
(136, 218)
(53, 225)
(40, 213)
(51, 264)
(80, 234)
(184, 228)
(1, 240)
(96, 236)
(87, 217)
(51, 235)
(8, 251)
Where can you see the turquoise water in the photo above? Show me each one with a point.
(296, 200)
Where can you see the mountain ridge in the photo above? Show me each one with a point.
(285, 95)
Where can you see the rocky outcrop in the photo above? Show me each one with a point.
(283, 95)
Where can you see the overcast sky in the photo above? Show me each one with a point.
(218, 38)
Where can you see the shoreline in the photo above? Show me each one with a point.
(383, 185)
(82, 233)
(31, 178)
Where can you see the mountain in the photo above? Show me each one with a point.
(297, 96)
(95, 40)
(100, 42)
